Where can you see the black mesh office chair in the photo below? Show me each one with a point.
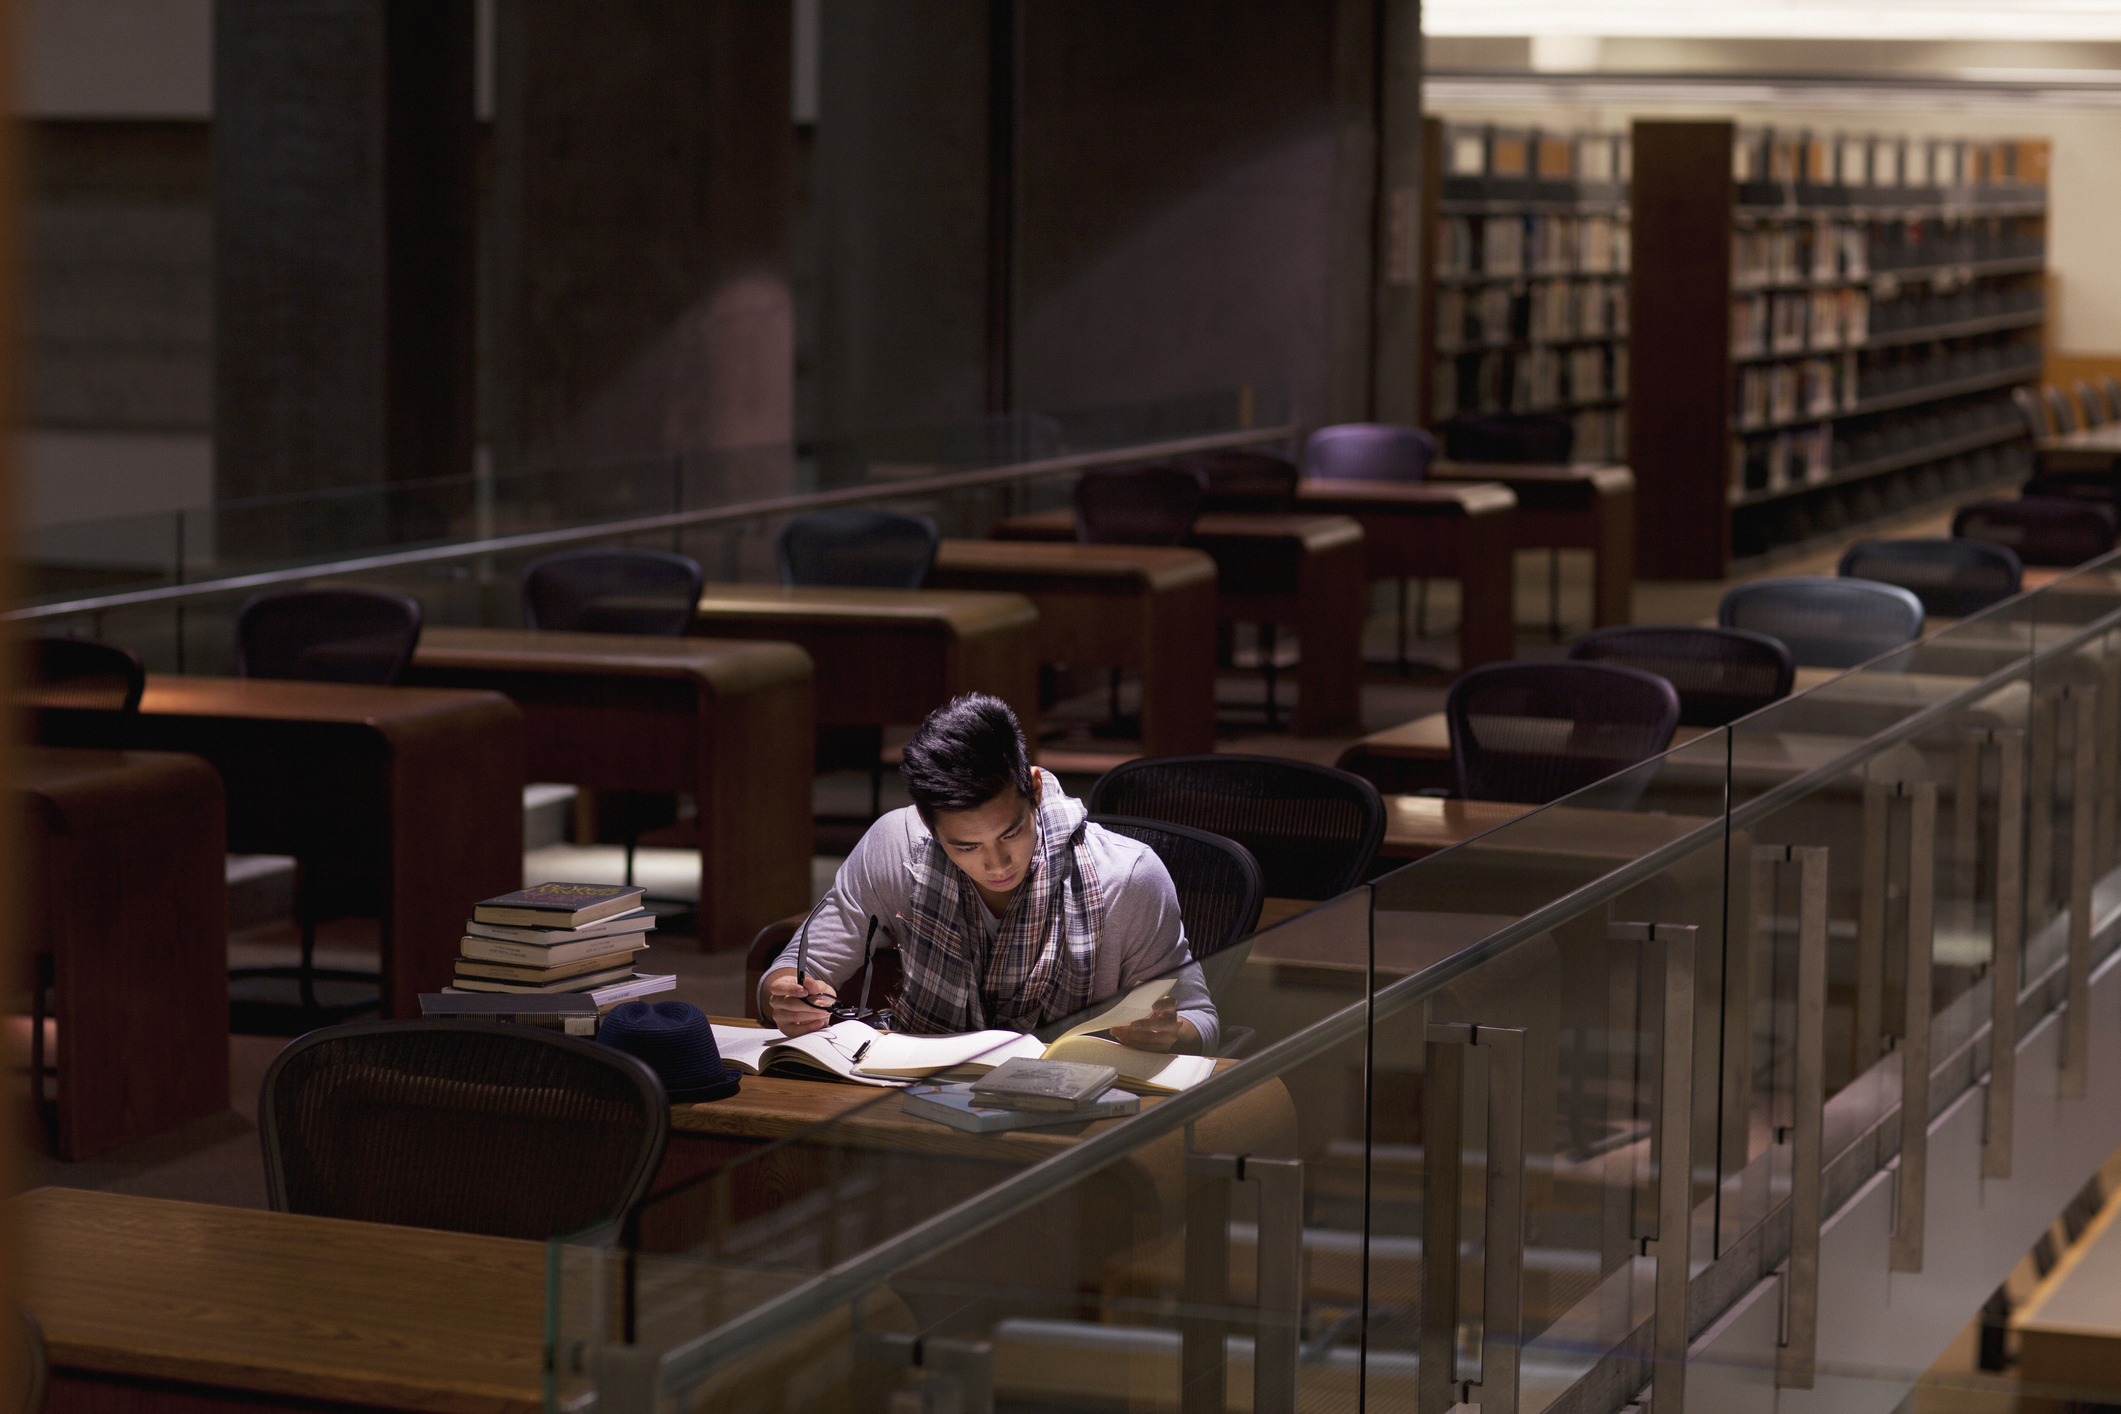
(2040, 530)
(1314, 830)
(611, 590)
(1720, 673)
(1369, 451)
(2089, 404)
(1825, 623)
(81, 673)
(1535, 732)
(1952, 578)
(502, 1129)
(1149, 505)
(1256, 483)
(2060, 414)
(327, 635)
(1526, 438)
(2110, 393)
(855, 547)
(1220, 888)
(2031, 413)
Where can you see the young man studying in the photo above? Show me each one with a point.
(1010, 909)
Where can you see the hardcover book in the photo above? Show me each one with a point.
(1022, 1083)
(958, 1107)
(637, 920)
(558, 905)
(487, 949)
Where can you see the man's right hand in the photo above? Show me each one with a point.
(786, 1008)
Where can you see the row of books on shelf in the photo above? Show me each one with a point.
(1922, 309)
(1510, 153)
(1785, 251)
(1792, 323)
(1810, 457)
(1779, 392)
(1874, 160)
(1529, 380)
(1531, 244)
(1544, 312)
(1882, 378)
(556, 938)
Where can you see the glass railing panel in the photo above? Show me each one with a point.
(1214, 1238)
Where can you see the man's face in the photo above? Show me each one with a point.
(993, 843)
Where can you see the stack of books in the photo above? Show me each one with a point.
(1023, 1093)
(560, 938)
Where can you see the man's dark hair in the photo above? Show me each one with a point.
(968, 752)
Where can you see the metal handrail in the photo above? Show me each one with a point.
(643, 525)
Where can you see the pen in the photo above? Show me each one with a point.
(862, 1050)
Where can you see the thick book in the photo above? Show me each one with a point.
(633, 920)
(829, 1054)
(572, 1013)
(958, 1107)
(1026, 1084)
(584, 982)
(605, 998)
(518, 972)
(532, 955)
(558, 905)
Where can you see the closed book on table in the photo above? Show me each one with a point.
(558, 905)
(532, 955)
(958, 1107)
(518, 972)
(573, 1013)
(583, 982)
(1025, 1083)
(633, 920)
(604, 998)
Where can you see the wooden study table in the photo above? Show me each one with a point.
(888, 657)
(157, 1307)
(2089, 449)
(412, 793)
(126, 916)
(1571, 508)
(1439, 530)
(1296, 571)
(1149, 608)
(727, 721)
(1416, 755)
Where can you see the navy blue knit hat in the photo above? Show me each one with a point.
(676, 1041)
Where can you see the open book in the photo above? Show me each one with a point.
(892, 1058)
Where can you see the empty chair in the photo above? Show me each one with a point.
(1825, 623)
(1314, 830)
(510, 1130)
(1369, 451)
(81, 672)
(1219, 884)
(2090, 404)
(1720, 673)
(1526, 438)
(2060, 414)
(2040, 530)
(1952, 578)
(327, 635)
(2109, 389)
(1535, 732)
(2031, 413)
(611, 590)
(1258, 483)
(1148, 505)
(857, 547)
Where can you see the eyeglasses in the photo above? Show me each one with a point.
(833, 1006)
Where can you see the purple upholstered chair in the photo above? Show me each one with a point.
(1150, 505)
(1369, 451)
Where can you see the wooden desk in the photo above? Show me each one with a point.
(2091, 449)
(127, 915)
(1145, 607)
(2069, 1330)
(889, 657)
(152, 1305)
(728, 722)
(1298, 571)
(411, 792)
(1439, 530)
(1571, 508)
(1416, 755)
(1417, 826)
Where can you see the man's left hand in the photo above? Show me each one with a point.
(1163, 1029)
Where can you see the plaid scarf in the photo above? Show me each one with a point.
(1043, 959)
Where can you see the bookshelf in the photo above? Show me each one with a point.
(1526, 304)
(1833, 334)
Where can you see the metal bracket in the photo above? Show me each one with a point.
(2084, 793)
(1443, 1140)
(1797, 1355)
(967, 1364)
(1914, 1049)
(1278, 1327)
(2005, 962)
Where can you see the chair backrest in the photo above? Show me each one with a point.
(886, 963)
(2090, 404)
(2100, 486)
(1952, 578)
(469, 1126)
(1535, 732)
(1149, 505)
(1720, 673)
(612, 590)
(856, 547)
(327, 635)
(2032, 413)
(2059, 411)
(2040, 530)
(81, 672)
(1238, 480)
(2110, 393)
(1524, 438)
(1314, 830)
(1219, 885)
(1369, 451)
(1825, 623)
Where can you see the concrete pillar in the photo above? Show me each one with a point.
(642, 190)
(344, 262)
